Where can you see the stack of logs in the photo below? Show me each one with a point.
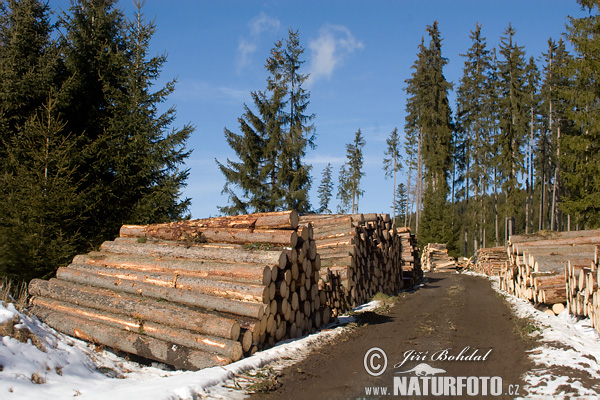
(583, 298)
(361, 255)
(540, 264)
(411, 259)
(491, 261)
(435, 257)
(191, 294)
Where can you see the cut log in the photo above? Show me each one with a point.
(211, 344)
(270, 220)
(200, 252)
(254, 310)
(229, 290)
(227, 271)
(169, 314)
(131, 342)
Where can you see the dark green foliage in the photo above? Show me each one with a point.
(401, 205)
(40, 196)
(580, 138)
(352, 173)
(84, 149)
(391, 162)
(429, 119)
(270, 174)
(513, 118)
(325, 190)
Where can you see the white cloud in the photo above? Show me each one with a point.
(248, 45)
(329, 50)
(262, 23)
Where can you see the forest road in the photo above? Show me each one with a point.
(451, 316)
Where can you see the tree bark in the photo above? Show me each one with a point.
(170, 314)
(254, 310)
(180, 357)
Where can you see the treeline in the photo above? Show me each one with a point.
(83, 146)
(521, 153)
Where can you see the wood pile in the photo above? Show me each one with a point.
(435, 257)
(540, 264)
(491, 261)
(361, 255)
(583, 297)
(191, 294)
(412, 271)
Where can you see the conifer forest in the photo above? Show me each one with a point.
(84, 148)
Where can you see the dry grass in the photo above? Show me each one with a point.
(14, 292)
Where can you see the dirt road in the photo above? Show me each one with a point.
(452, 315)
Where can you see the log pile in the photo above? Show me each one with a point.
(582, 289)
(491, 261)
(412, 271)
(435, 257)
(540, 265)
(191, 294)
(361, 255)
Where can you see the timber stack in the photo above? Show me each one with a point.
(491, 261)
(435, 257)
(361, 255)
(192, 294)
(540, 265)
(583, 297)
(412, 271)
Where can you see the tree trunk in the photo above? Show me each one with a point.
(254, 310)
(170, 314)
(180, 357)
(211, 344)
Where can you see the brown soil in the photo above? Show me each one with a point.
(451, 311)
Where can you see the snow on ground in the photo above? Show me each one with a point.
(567, 360)
(73, 368)
(568, 357)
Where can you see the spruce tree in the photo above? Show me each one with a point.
(431, 117)
(473, 137)
(401, 204)
(513, 119)
(41, 198)
(271, 174)
(344, 192)
(552, 110)
(128, 154)
(355, 159)
(325, 190)
(579, 140)
(300, 132)
(391, 163)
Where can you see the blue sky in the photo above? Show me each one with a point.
(358, 53)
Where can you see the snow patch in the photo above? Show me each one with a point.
(74, 368)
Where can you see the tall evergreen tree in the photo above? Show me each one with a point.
(473, 136)
(513, 119)
(413, 127)
(325, 190)
(344, 192)
(391, 163)
(580, 139)
(37, 190)
(532, 102)
(429, 98)
(128, 154)
(41, 198)
(300, 133)
(354, 156)
(271, 173)
(401, 204)
(552, 109)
